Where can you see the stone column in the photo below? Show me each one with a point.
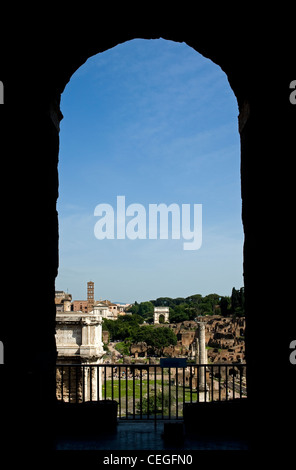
(96, 381)
(93, 383)
(201, 358)
(202, 353)
(86, 382)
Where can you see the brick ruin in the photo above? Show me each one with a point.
(225, 339)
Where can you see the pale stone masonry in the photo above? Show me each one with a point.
(161, 311)
(79, 341)
(201, 358)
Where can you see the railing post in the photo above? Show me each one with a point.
(226, 381)
(99, 392)
(184, 384)
(90, 383)
(148, 392)
(105, 382)
(169, 393)
(212, 381)
(69, 387)
(141, 391)
(155, 398)
(219, 383)
(134, 394)
(62, 384)
(112, 383)
(233, 385)
(119, 391)
(126, 393)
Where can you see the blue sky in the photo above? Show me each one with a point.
(154, 121)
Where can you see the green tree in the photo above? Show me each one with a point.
(161, 338)
(194, 299)
(163, 302)
(158, 405)
(238, 302)
(146, 309)
(156, 338)
(124, 327)
(133, 308)
(179, 314)
(143, 334)
(225, 306)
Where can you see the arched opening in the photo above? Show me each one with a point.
(161, 318)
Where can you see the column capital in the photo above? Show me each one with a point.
(201, 325)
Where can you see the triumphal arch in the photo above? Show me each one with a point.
(161, 312)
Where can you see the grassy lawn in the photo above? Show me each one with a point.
(134, 389)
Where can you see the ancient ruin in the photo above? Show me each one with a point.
(79, 341)
(224, 340)
(161, 312)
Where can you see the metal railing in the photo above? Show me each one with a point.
(150, 391)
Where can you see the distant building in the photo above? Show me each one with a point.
(79, 306)
(106, 308)
(121, 308)
(63, 301)
(90, 295)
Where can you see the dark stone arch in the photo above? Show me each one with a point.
(33, 81)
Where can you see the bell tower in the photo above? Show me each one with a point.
(90, 296)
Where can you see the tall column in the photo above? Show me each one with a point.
(86, 383)
(201, 358)
(202, 343)
(90, 296)
(96, 381)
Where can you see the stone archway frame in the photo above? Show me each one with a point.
(34, 81)
(161, 311)
(66, 57)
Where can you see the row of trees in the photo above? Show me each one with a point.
(130, 329)
(182, 309)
